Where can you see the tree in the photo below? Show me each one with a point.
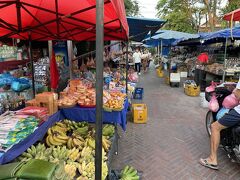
(189, 13)
(231, 6)
(131, 7)
(179, 14)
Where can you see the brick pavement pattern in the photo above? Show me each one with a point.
(171, 143)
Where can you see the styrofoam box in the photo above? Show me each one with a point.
(183, 74)
(174, 77)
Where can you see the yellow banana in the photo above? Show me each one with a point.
(105, 145)
(49, 131)
(53, 142)
(77, 142)
(63, 137)
(47, 141)
(69, 143)
(58, 140)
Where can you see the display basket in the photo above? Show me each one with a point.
(66, 106)
(191, 90)
(87, 106)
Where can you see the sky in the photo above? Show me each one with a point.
(147, 7)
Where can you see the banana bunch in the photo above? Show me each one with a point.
(58, 128)
(90, 142)
(108, 130)
(87, 155)
(106, 143)
(57, 135)
(82, 131)
(129, 173)
(73, 154)
(36, 152)
(59, 173)
(75, 141)
(71, 170)
(87, 170)
(72, 125)
(59, 154)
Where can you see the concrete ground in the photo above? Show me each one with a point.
(174, 138)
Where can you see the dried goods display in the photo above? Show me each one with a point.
(41, 71)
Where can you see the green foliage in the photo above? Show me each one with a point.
(231, 6)
(179, 14)
(131, 7)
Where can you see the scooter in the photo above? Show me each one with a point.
(230, 137)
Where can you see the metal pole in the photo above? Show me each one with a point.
(99, 86)
(50, 48)
(19, 17)
(225, 63)
(127, 68)
(70, 57)
(32, 63)
(161, 47)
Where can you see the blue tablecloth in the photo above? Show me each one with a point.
(88, 114)
(76, 114)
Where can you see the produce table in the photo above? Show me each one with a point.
(75, 113)
(88, 114)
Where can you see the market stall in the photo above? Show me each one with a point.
(48, 20)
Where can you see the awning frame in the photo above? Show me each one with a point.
(60, 17)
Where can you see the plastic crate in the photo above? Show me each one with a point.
(139, 112)
(138, 93)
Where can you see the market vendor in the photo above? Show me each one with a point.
(200, 74)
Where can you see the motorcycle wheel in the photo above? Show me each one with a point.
(209, 121)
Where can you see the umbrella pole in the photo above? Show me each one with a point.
(225, 63)
(32, 63)
(70, 57)
(161, 47)
(99, 87)
(127, 68)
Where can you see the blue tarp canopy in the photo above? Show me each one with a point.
(140, 27)
(221, 35)
(168, 37)
(168, 34)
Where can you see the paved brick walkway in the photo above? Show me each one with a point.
(171, 143)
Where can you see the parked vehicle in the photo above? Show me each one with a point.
(230, 137)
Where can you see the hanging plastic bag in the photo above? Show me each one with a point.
(213, 104)
(211, 88)
(230, 101)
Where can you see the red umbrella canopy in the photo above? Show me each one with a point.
(234, 15)
(61, 19)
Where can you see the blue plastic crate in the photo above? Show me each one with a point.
(138, 93)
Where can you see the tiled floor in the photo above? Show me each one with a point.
(171, 143)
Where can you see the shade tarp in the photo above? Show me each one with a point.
(232, 16)
(61, 19)
(168, 34)
(140, 27)
(221, 35)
